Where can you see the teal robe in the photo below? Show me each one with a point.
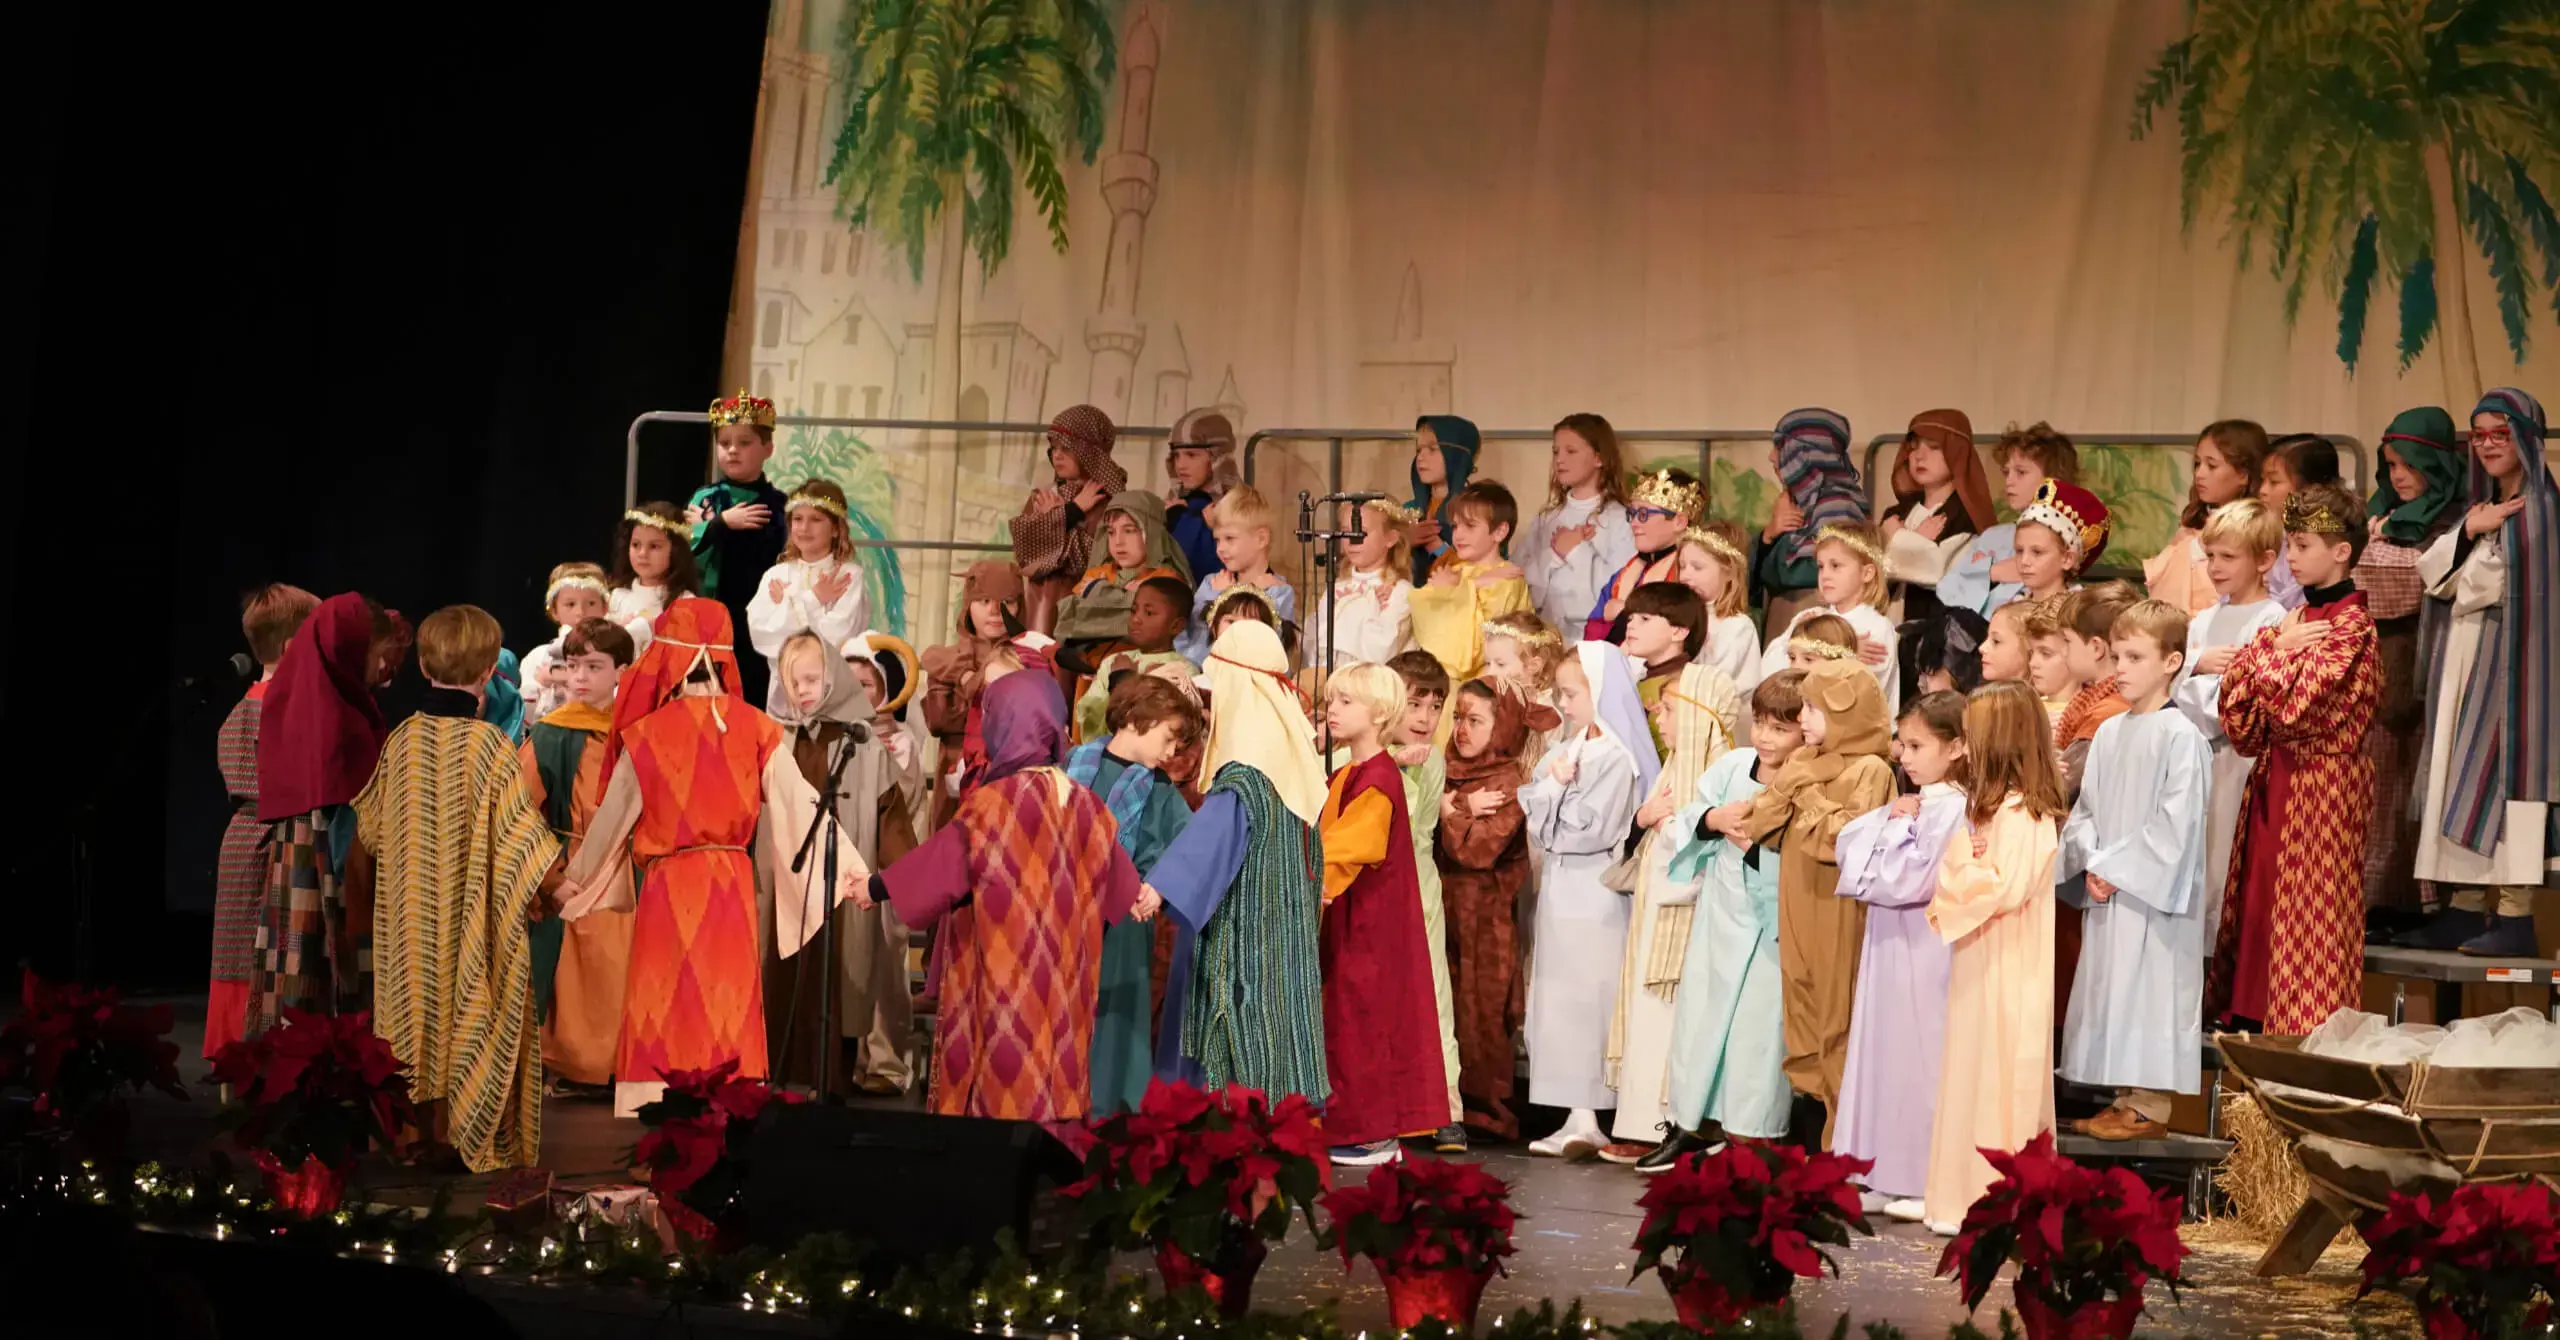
(1151, 815)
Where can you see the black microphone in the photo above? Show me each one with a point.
(1353, 497)
(240, 666)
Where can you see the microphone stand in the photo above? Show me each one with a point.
(823, 822)
(1326, 559)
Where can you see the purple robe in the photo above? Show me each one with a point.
(1898, 1026)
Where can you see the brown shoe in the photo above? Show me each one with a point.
(1623, 1154)
(2120, 1123)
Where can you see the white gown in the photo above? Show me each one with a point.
(1733, 646)
(1870, 623)
(771, 622)
(1581, 923)
(637, 607)
(2200, 698)
(1374, 619)
(2478, 587)
(1563, 590)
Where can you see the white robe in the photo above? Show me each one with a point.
(2478, 587)
(1373, 615)
(1870, 623)
(2136, 1014)
(1564, 590)
(1733, 646)
(1581, 924)
(771, 622)
(2200, 698)
(540, 701)
(637, 607)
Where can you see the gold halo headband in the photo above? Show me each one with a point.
(1860, 544)
(578, 580)
(820, 501)
(1816, 647)
(673, 525)
(1540, 638)
(1713, 543)
(1404, 516)
(2311, 520)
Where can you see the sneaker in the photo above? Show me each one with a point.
(2506, 937)
(1567, 1143)
(1942, 1228)
(1623, 1153)
(1449, 1139)
(1667, 1155)
(1368, 1155)
(1908, 1210)
(2447, 929)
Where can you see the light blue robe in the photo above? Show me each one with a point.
(1968, 581)
(1728, 1026)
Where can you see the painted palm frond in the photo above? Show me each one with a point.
(966, 103)
(870, 502)
(2144, 485)
(2352, 143)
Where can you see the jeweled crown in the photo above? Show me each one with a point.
(1660, 489)
(742, 408)
(2311, 518)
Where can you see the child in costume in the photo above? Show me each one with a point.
(502, 697)
(1382, 1054)
(1149, 721)
(2136, 833)
(890, 672)
(1988, 574)
(1242, 523)
(1578, 544)
(1159, 612)
(817, 587)
(1898, 1027)
(1444, 459)
(1581, 803)
(2298, 699)
(2006, 646)
(1810, 454)
(268, 619)
(1942, 653)
(1819, 638)
(1200, 456)
(737, 519)
(1848, 583)
(2224, 469)
(1727, 1075)
(578, 970)
(1244, 883)
(1472, 583)
(1054, 533)
(459, 859)
(1093, 620)
(1994, 908)
(1694, 719)
(1840, 773)
(2493, 755)
(2240, 539)
(992, 643)
(690, 770)
(1426, 781)
(1666, 625)
(1941, 500)
(2088, 661)
(1712, 564)
(1663, 507)
(2293, 461)
(1372, 606)
(1482, 850)
(2415, 501)
(576, 593)
(653, 563)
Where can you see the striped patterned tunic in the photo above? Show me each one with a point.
(240, 878)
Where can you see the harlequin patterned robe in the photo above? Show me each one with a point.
(240, 880)
(2291, 947)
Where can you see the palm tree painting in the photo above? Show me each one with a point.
(870, 500)
(2145, 486)
(2373, 142)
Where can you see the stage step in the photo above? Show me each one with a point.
(2171, 1148)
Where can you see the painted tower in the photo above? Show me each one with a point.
(1113, 335)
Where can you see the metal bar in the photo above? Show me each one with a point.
(953, 546)
(631, 438)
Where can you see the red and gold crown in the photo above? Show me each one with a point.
(1661, 489)
(742, 408)
(2310, 518)
(2075, 514)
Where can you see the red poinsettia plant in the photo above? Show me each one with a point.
(2086, 1241)
(2484, 1261)
(1734, 1230)
(317, 1087)
(1423, 1214)
(76, 1051)
(701, 1134)
(1213, 1174)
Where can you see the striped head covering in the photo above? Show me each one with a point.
(1814, 465)
(2502, 746)
(2424, 440)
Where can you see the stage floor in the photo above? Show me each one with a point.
(1577, 1221)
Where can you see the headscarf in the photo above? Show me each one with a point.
(1255, 718)
(320, 732)
(1621, 717)
(1459, 445)
(2503, 730)
(846, 702)
(1042, 544)
(1853, 704)
(690, 631)
(2074, 514)
(1514, 717)
(990, 579)
(1104, 610)
(2423, 438)
(501, 702)
(1025, 724)
(1953, 434)
(1814, 465)
(1213, 430)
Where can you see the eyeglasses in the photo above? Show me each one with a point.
(2501, 433)
(1644, 513)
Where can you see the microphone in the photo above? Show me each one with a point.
(240, 666)
(1353, 497)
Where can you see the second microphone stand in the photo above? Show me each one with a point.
(1325, 560)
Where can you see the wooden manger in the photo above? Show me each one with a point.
(2442, 1126)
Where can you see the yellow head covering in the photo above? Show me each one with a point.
(1255, 719)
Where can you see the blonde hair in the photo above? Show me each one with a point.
(2043, 617)
(458, 645)
(2245, 522)
(1541, 651)
(1736, 597)
(1386, 516)
(1867, 547)
(1373, 686)
(1243, 506)
(816, 494)
(589, 572)
(792, 646)
(2165, 624)
(2010, 746)
(1827, 630)
(2017, 612)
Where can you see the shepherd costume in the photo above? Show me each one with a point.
(1460, 443)
(956, 674)
(1995, 1086)
(1052, 537)
(1148, 810)
(1814, 468)
(578, 967)
(2404, 622)
(1911, 557)
(1381, 1027)
(1483, 859)
(1898, 1026)
(1187, 515)
(1097, 611)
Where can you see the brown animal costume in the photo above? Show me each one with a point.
(1483, 862)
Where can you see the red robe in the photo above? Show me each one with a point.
(2291, 946)
(1381, 1022)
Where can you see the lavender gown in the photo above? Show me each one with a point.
(1897, 1030)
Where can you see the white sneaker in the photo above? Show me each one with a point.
(1368, 1155)
(1871, 1202)
(1568, 1143)
(1944, 1230)
(1908, 1210)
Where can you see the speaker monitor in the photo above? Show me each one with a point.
(911, 1184)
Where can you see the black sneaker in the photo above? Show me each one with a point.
(2447, 929)
(1449, 1139)
(2504, 937)
(1668, 1154)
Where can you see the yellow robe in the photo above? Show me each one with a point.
(1995, 1087)
(1449, 619)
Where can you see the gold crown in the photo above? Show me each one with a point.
(801, 497)
(1816, 647)
(1713, 543)
(1659, 489)
(742, 408)
(673, 525)
(1842, 535)
(2311, 518)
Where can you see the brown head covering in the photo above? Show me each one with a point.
(1853, 704)
(1086, 433)
(1210, 429)
(1953, 433)
(1513, 718)
(1042, 544)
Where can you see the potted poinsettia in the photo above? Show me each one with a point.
(75, 1052)
(309, 1097)
(1436, 1230)
(1731, 1232)
(2482, 1262)
(2086, 1241)
(700, 1140)
(1205, 1180)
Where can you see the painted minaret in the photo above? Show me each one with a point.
(1113, 335)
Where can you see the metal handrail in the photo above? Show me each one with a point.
(2350, 448)
(1706, 438)
(631, 437)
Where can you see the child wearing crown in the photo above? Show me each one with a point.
(1661, 510)
(737, 518)
(576, 593)
(817, 587)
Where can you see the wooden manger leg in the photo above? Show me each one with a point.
(2314, 1227)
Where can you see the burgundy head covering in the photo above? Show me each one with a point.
(1952, 431)
(321, 731)
(1025, 719)
(690, 627)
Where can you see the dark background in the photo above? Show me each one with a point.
(354, 299)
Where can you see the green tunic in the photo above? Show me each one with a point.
(1122, 1058)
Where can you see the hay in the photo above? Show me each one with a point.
(2262, 1179)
